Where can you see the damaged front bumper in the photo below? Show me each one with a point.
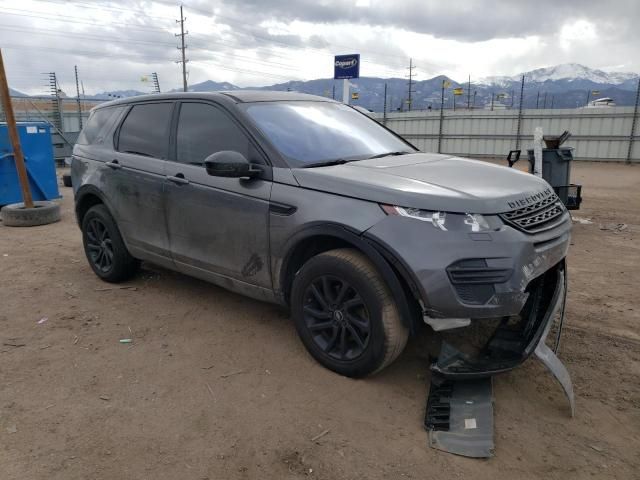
(514, 338)
(459, 413)
(475, 275)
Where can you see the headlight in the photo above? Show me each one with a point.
(470, 222)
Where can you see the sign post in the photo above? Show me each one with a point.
(344, 68)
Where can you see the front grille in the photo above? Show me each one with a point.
(536, 217)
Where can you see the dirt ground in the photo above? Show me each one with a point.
(216, 386)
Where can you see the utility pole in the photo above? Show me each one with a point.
(78, 98)
(537, 99)
(551, 101)
(588, 96)
(492, 95)
(441, 116)
(410, 83)
(18, 156)
(384, 106)
(633, 124)
(520, 113)
(469, 94)
(156, 83)
(182, 48)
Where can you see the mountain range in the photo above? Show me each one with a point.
(561, 86)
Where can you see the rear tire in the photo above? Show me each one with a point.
(345, 314)
(103, 245)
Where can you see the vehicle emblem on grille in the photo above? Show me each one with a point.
(528, 200)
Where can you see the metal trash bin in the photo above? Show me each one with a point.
(556, 170)
(35, 138)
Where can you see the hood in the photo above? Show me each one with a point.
(429, 181)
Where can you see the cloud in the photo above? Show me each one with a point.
(258, 42)
(469, 20)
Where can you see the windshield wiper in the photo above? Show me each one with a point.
(328, 163)
(389, 154)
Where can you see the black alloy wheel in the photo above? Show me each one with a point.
(106, 252)
(99, 245)
(337, 317)
(345, 315)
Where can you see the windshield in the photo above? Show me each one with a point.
(308, 133)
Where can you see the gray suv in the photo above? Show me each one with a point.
(306, 202)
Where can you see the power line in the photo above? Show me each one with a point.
(97, 37)
(70, 19)
(88, 53)
(241, 24)
(267, 63)
(57, 33)
(182, 48)
(239, 70)
(379, 67)
(104, 7)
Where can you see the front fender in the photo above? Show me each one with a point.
(354, 238)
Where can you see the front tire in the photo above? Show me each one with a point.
(103, 245)
(345, 314)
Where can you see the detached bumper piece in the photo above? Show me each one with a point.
(459, 415)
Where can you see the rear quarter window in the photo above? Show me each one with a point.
(145, 130)
(99, 125)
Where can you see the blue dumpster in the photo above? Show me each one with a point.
(35, 138)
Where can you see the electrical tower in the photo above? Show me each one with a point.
(182, 48)
(410, 84)
(156, 83)
(78, 97)
(55, 100)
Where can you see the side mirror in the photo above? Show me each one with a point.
(228, 163)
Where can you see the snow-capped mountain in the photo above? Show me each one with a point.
(568, 85)
(565, 71)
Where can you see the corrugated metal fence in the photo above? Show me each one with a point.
(597, 133)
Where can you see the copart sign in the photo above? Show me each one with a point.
(346, 66)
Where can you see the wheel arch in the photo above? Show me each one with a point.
(321, 238)
(86, 197)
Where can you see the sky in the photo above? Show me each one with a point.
(116, 45)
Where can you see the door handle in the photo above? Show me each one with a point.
(114, 164)
(178, 179)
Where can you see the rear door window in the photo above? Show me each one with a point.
(204, 129)
(99, 125)
(145, 131)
